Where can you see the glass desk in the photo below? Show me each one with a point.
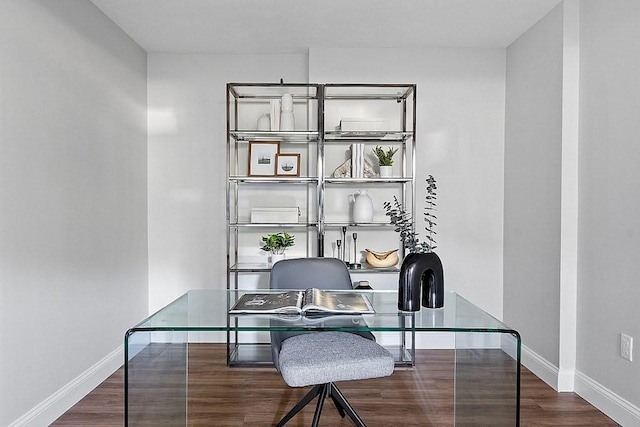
(485, 356)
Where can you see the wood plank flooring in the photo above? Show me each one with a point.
(257, 396)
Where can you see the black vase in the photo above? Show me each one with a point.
(421, 278)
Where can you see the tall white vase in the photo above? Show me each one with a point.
(362, 207)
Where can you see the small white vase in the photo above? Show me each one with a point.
(264, 123)
(362, 207)
(386, 171)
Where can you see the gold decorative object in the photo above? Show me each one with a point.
(382, 259)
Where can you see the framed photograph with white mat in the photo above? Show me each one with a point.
(288, 164)
(262, 157)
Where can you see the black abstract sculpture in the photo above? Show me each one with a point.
(421, 282)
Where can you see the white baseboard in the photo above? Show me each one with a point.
(61, 401)
(540, 367)
(615, 407)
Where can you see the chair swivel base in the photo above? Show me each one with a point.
(322, 391)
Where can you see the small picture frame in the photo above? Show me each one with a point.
(262, 157)
(288, 164)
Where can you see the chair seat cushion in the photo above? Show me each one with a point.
(324, 357)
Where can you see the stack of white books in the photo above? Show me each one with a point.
(275, 114)
(357, 160)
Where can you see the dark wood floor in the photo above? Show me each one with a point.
(257, 396)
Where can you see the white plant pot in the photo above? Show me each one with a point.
(386, 171)
(275, 258)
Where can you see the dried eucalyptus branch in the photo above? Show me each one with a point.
(399, 217)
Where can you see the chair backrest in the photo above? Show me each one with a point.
(304, 273)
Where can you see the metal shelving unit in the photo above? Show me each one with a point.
(322, 144)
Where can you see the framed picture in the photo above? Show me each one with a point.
(288, 164)
(262, 157)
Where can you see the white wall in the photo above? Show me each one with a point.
(187, 175)
(461, 119)
(533, 144)
(460, 141)
(609, 294)
(73, 197)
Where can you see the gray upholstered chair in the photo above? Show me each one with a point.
(322, 358)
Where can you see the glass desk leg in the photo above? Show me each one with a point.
(487, 379)
(156, 378)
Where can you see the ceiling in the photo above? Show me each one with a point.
(294, 26)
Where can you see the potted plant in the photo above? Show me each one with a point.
(385, 159)
(421, 273)
(276, 244)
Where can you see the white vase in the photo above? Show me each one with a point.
(386, 171)
(287, 121)
(362, 207)
(286, 102)
(264, 123)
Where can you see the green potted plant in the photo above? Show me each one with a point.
(385, 159)
(421, 274)
(276, 244)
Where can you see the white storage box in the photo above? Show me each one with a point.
(350, 124)
(275, 215)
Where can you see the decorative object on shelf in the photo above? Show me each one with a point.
(357, 160)
(421, 273)
(385, 160)
(275, 114)
(281, 215)
(356, 124)
(339, 244)
(382, 259)
(355, 264)
(362, 284)
(344, 170)
(362, 207)
(264, 122)
(288, 164)
(343, 255)
(276, 244)
(262, 157)
(287, 122)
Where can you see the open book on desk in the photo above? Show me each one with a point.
(310, 302)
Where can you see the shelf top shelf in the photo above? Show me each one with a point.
(273, 90)
(369, 91)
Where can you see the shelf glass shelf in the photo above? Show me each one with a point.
(297, 136)
(357, 91)
(352, 224)
(376, 180)
(389, 135)
(271, 225)
(250, 267)
(299, 91)
(366, 268)
(274, 179)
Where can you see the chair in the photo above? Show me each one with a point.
(322, 358)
